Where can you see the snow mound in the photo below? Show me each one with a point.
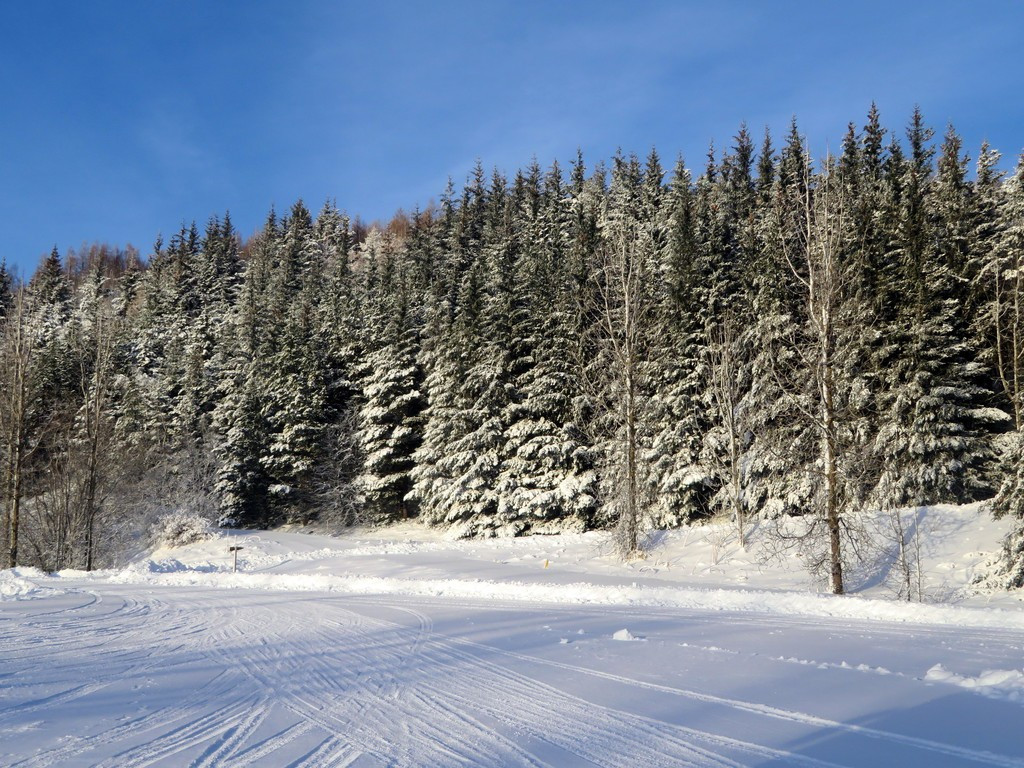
(625, 635)
(994, 683)
(175, 573)
(15, 584)
(169, 565)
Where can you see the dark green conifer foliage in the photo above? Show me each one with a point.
(6, 290)
(459, 364)
(683, 484)
(546, 478)
(780, 446)
(1006, 315)
(931, 445)
(391, 402)
(50, 307)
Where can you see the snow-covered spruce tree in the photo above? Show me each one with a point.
(441, 362)
(455, 477)
(340, 311)
(240, 417)
(861, 171)
(170, 305)
(933, 443)
(295, 401)
(1007, 317)
(1009, 501)
(734, 247)
(546, 480)
(206, 343)
(682, 481)
(6, 290)
(242, 481)
(780, 445)
(389, 411)
(586, 204)
(50, 300)
(476, 455)
(996, 322)
(340, 324)
(458, 462)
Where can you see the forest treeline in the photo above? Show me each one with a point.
(621, 346)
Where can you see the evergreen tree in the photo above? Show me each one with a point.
(242, 481)
(389, 411)
(6, 290)
(781, 446)
(240, 417)
(1006, 274)
(295, 399)
(932, 444)
(682, 481)
(546, 479)
(538, 354)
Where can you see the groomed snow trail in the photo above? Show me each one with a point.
(114, 674)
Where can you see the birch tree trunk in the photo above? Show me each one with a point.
(816, 263)
(623, 320)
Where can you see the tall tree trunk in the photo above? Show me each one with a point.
(18, 364)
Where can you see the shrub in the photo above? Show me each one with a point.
(179, 528)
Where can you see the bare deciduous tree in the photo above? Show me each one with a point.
(1005, 271)
(15, 403)
(623, 319)
(79, 446)
(726, 438)
(822, 346)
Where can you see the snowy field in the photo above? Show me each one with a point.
(399, 647)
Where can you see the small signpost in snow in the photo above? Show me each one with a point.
(234, 551)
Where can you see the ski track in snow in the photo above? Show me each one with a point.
(457, 661)
(204, 677)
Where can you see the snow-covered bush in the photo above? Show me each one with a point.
(179, 528)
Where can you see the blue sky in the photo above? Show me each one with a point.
(120, 120)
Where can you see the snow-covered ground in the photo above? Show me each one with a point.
(399, 647)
